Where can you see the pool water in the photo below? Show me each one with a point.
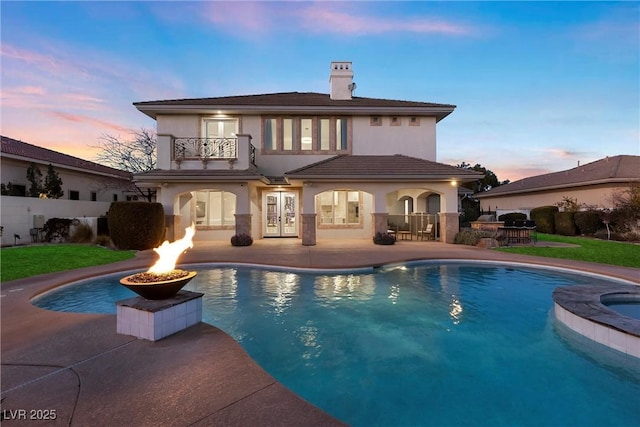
(629, 309)
(440, 344)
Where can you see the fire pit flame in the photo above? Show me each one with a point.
(162, 280)
(169, 252)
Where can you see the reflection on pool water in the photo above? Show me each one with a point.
(438, 344)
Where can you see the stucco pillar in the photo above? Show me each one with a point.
(380, 222)
(309, 229)
(170, 227)
(243, 224)
(449, 226)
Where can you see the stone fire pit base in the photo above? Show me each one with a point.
(156, 319)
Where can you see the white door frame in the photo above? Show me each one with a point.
(280, 213)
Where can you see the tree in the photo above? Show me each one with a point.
(53, 184)
(489, 181)
(34, 176)
(136, 155)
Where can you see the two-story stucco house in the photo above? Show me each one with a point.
(305, 165)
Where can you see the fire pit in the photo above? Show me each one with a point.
(163, 280)
(157, 288)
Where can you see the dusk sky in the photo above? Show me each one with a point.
(539, 86)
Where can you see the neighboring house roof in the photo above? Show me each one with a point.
(28, 152)
(389, 167)
(617, 169)
(294, 103)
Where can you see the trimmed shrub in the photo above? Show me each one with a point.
(588, 222)
(81, 233)
(544, 218)
(470, 237)
(565, 224)
(384, 239)
(136, 225)
(241, 240)
(57, 230)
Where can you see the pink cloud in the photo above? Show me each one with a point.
(325, 18)
(29, 90)
(34, 58)
(250, 16)
(320, 17)
(22, 96)
(77, 118)
(516, 173)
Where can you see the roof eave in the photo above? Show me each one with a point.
(558, 187)
(382, 177)
(440, 112)
(161, 179)
(67, 167)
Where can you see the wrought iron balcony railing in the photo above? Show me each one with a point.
(205, 148)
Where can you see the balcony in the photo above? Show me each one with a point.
(205, 149)
(213, 149)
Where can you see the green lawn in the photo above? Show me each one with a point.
(592, 250)
(19, 262)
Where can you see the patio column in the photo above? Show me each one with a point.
(309, 229)
(243, 224)
(380, 222)
(449, 226)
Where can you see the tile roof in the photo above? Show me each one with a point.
(28, 152)
(386, 167)
(293, 102)
(620, 169)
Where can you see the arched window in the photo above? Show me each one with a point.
(215, 208)
(339, 207)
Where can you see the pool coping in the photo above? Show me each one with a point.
(580, 308)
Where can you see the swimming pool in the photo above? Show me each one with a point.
(417, 344)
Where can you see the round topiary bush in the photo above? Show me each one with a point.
(544, 218)
(241, 240)
(384, 239)
(588, 222)
(136, 225)
(564, 223)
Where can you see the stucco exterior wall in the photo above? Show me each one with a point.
(18, 213)
(386, 139)
(15, 171)
(596, 196)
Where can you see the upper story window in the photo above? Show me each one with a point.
(395, 121)
(220, 128)
(307, 134)
(375, 121)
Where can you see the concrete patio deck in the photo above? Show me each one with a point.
(76, 368)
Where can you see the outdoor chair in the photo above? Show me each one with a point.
(426, 233)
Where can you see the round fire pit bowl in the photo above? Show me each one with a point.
(158, 290)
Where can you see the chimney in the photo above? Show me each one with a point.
(341, 80)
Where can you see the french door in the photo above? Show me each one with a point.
(280, 214)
